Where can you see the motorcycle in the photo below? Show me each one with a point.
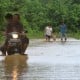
(15, 44)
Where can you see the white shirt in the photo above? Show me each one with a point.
(48, 31)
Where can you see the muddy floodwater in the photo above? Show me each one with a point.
(44, 61)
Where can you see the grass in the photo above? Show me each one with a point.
(74, 35)
(1, 39)
(41, 35)
(36, 35)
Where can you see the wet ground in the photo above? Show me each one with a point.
(45, 61)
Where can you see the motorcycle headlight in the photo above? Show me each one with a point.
(15, 36)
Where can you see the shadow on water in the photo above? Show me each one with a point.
(15, 67)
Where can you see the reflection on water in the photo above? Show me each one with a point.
(48, 61)
(14, 67)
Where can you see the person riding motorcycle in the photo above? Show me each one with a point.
(14, 24)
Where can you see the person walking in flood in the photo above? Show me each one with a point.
(63, 30)
(48, 32)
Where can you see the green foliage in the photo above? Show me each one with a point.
(36, 14)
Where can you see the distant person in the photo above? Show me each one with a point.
(63, 30)
(48, 32)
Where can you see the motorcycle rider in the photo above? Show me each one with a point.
(13, 23)
(20, 29)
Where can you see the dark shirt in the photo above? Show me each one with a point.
(18, 27)
(63, 28)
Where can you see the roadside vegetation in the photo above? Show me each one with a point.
(36, 14)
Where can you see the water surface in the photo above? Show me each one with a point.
(45, 61)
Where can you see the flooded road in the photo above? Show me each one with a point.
(45, 61)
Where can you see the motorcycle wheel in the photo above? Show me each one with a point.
(10, 52)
